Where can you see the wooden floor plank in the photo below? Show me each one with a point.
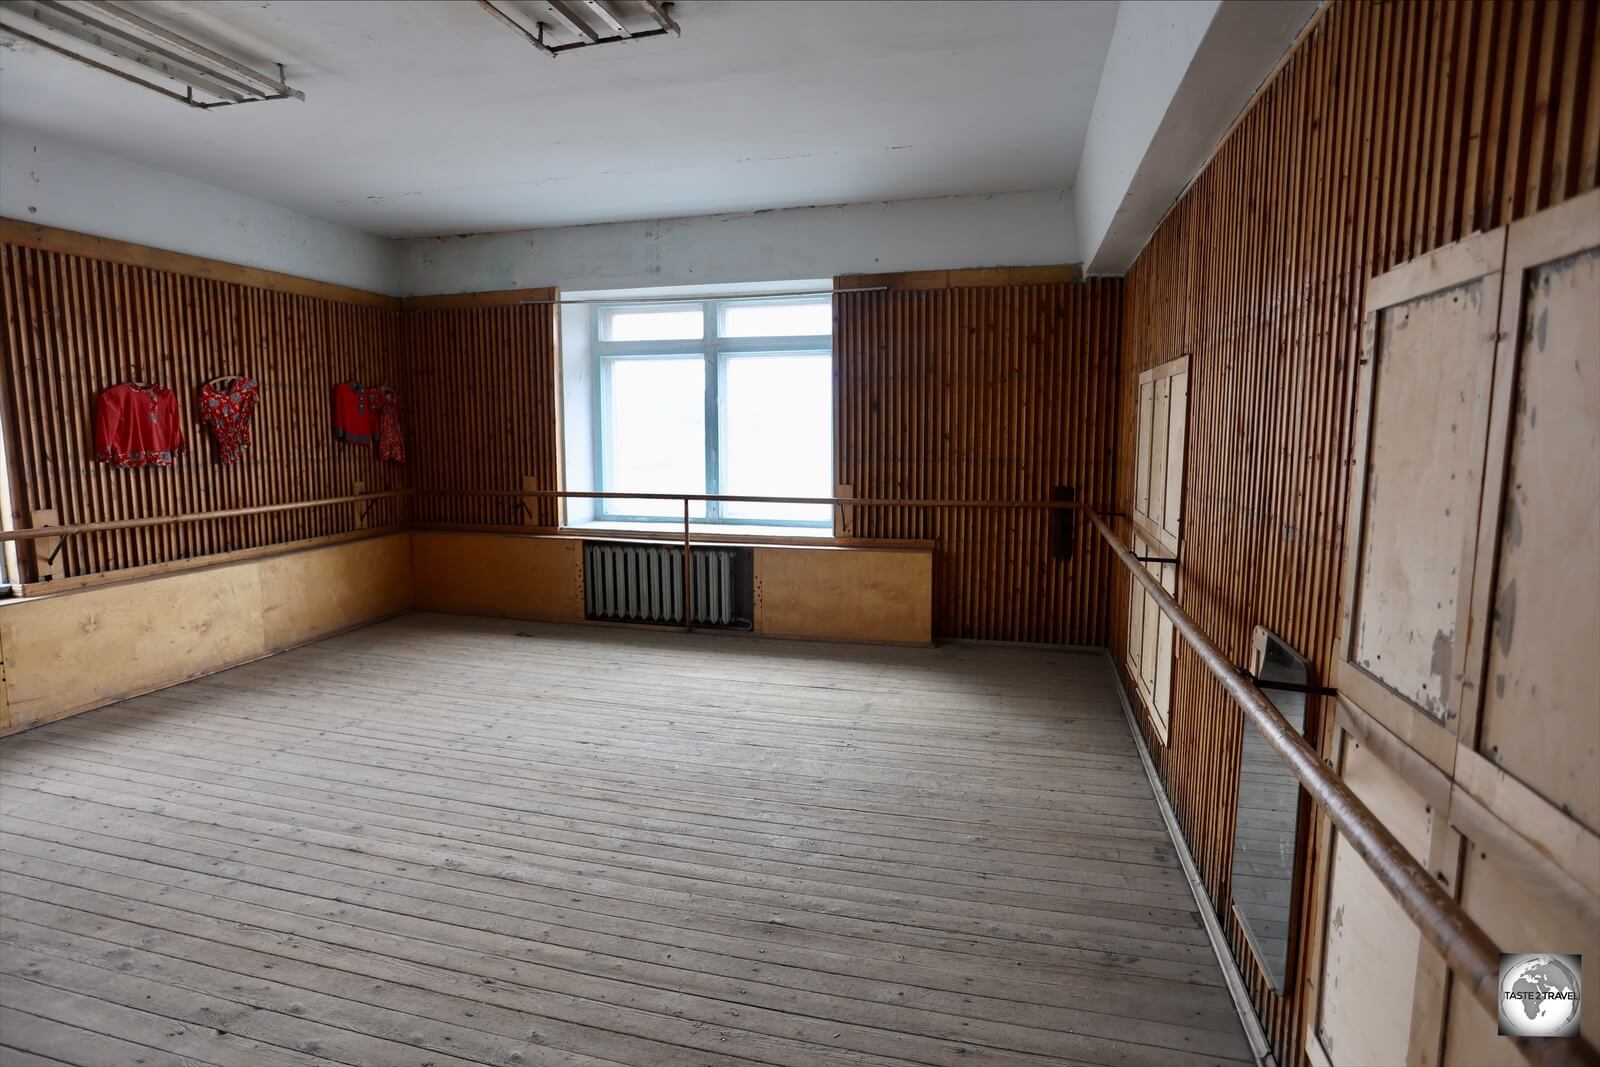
(444, 840)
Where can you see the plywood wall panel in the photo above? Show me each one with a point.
(79, 649)
(308, 595)
(495, 574)
(89, 647)
(75, 325)
(1390, 130)
(840, 594)
(1539, 719)
(983, 392)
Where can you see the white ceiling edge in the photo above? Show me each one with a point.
(53, 182)
(792, 244)
(1177, 76)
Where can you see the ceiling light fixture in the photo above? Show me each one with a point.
(114, 38)
(556, 26)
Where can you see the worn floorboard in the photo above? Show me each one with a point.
(443, 841)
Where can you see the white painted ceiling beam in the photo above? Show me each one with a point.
(1177, 74)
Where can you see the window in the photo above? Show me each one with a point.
(715, 397)
(1157, 514)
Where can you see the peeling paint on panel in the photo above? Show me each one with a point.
(1505, 616)
(1443, 653)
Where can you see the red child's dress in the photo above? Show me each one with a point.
(227, 411)
(385, 405)
(136, 425)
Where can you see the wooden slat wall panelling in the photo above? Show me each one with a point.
(482, 367)
(75, 325)
(1393, 129)
(949, 387)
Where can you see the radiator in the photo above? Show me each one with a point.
(644, 583)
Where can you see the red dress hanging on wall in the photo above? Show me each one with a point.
(391, 442)
(226, 406)
(352, 414)
(137, 425)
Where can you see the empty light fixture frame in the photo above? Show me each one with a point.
(572, 20)
(113, 38)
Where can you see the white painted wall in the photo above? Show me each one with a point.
(46, 180)
(1006, 229)
(1177, 74)
(1151, 49)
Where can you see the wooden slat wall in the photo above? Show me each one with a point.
(1392, 129)
(955, 387)
(485, 404)
(75, 324)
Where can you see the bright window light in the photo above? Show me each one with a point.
(786, 318)
(673, 323)
(723, 397)
(655, 430)
(777, 435)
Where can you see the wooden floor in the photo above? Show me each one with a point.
(447, 841)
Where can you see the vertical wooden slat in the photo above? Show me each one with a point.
(966, 389)
(1393, 129)
(481, 375)
(77, 324)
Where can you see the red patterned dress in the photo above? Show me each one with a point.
(226, 406)
(137, 425)
(391, 442)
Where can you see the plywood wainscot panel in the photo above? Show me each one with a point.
(5, 705)
(307, 595)
(78, 650)
(845, 594)
(508, 575)
(1503, 901)
(1366, 1011)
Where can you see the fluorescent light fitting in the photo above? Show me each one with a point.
(573, 18)
(609, 17)
(658, 11)
(112, 38)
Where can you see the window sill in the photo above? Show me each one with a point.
(701, 529)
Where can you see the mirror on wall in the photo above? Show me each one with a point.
(1268, 818)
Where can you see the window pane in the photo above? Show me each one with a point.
(789, 318)
(674, 322)
(777, 434)
(655, 433)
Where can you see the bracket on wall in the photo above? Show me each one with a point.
(1287, 687)
(1156, 559)
(45, 552)
(1063, 524)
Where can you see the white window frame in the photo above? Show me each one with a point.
(1162, 446)
(714, 349)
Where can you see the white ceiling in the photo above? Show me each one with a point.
(430, 117)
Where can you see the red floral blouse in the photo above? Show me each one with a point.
(226, 406)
